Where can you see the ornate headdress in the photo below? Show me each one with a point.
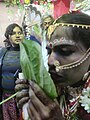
(55, 25)
(50, 31)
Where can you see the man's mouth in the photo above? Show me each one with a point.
(57, 78)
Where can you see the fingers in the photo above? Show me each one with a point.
(19, 87)
(39, 93)
(33, 113)
(38, 111)
(22, 94)
(35, 100)
(22, 97)
(22, 101)
(40, 106)
(20, 81)
(21, 84)
(43, 110)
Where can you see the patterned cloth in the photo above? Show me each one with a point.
(10, 112)
(11, 63)
(72, 108)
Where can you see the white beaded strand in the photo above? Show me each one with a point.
(72, 65)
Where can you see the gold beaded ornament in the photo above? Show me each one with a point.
(72, 65)
(52, 27)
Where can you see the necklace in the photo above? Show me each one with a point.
(72, 98)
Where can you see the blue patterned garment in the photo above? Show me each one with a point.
(11, 63)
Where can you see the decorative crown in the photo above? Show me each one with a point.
(52, 27)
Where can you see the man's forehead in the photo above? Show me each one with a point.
(61, 41)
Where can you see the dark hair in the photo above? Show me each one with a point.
(9, 31)
(77, 33)
(10, 28)
(48, 16)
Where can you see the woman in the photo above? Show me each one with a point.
(46, 21)
(10, 64)
(69, 67)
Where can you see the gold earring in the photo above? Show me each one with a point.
(86, 75)
(57, 65)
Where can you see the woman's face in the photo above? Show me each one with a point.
(66, 51)
(47, 22)
(16, 37)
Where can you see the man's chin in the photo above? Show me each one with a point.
(60, 83)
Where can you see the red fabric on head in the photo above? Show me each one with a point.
(61, 7)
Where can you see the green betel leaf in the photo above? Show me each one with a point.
(32, 50)
(49, 85)
(26, 64)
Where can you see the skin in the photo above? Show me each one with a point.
(40, 107)
(16, 37)
(67, 52)
(47, 22)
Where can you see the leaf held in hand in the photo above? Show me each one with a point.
(33, 67)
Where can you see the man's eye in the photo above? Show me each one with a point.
(63, 51)
(66, 53)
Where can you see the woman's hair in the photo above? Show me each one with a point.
(48, 16)
(45, 18)
(9, 31)
(77, 32)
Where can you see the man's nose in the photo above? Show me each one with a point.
(51, 59)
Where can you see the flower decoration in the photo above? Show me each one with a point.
(16, 2)
(26, 1)
(85, 99)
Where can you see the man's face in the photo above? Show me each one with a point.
(16, 37)
(67, 51)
